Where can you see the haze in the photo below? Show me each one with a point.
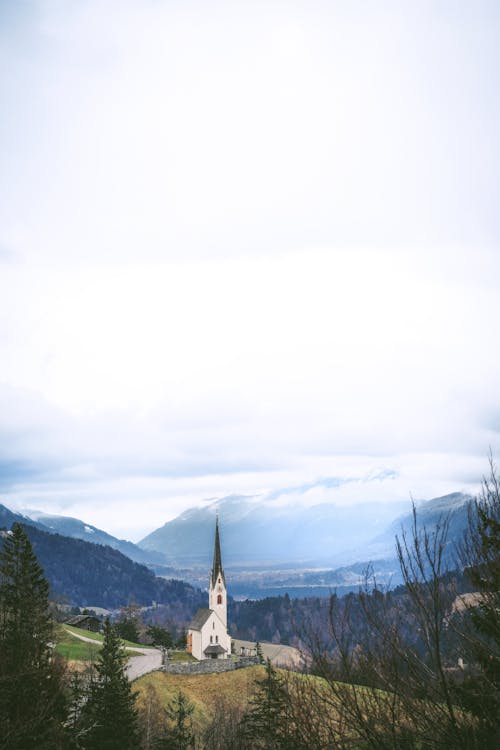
(246, 248)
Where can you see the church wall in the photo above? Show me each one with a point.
(214, 632)
(196, 644)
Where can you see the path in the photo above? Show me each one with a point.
(278, 654)
(139, 665)
(148, 661)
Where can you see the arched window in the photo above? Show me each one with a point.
(219, 598)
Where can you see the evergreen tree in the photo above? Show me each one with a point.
(109, 714)
(31, 698)
(160, 636)
(179, 734)
(127, 629)
(268, 722)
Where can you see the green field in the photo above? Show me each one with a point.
(73, 648)
(180, 656)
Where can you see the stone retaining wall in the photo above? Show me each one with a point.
(207, 666)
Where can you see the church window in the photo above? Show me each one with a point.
(211, 639)
(219, 599)
(217, 639)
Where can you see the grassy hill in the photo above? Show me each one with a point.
(203, 690)
(232, 692)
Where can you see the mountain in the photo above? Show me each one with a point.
(261, 531)
(302, 551)
(73, 527)
(87, 574)
(8, 517)
(453, 507)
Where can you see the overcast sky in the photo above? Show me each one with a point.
(244, 247)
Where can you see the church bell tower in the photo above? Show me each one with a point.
(217, 595)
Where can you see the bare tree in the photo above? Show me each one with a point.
(480, 628)
(388, 663)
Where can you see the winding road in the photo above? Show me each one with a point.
(148, 661)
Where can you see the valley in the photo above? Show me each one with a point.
(269, 550)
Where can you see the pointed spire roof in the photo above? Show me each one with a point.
(217, 563)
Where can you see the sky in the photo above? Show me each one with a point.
(246, 247)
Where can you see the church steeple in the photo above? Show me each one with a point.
(217, 596)
(217, 569)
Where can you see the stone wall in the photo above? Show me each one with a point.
(207, 666)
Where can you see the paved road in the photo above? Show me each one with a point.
(139, 665)
(149, 660)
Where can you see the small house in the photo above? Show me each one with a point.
(85, 622)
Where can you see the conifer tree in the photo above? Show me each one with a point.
(31, 698)
(179, 735)
(268, 723)
(109, 714)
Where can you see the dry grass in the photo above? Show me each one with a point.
(203, 690)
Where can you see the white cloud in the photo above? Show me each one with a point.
(243, 244)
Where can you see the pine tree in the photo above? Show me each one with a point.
(179, 735)
(109, 714)
(268, 722)
(31, 697)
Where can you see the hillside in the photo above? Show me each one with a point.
(91, 574)
(73, 527)
(8, 517)
(205, 692)
(454, 507)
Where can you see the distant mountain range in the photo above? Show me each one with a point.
(77, 529)
(301, 551)
(8, 517)
(258, 532)
(268, 548)
(453, 507)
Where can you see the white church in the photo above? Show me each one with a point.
(207, 636)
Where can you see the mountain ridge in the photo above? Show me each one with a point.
(77, 529)
(256, 531)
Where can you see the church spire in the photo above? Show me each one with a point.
(217, 569)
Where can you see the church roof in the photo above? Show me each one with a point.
(217, 563)
(215, 649)
(200, 618)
